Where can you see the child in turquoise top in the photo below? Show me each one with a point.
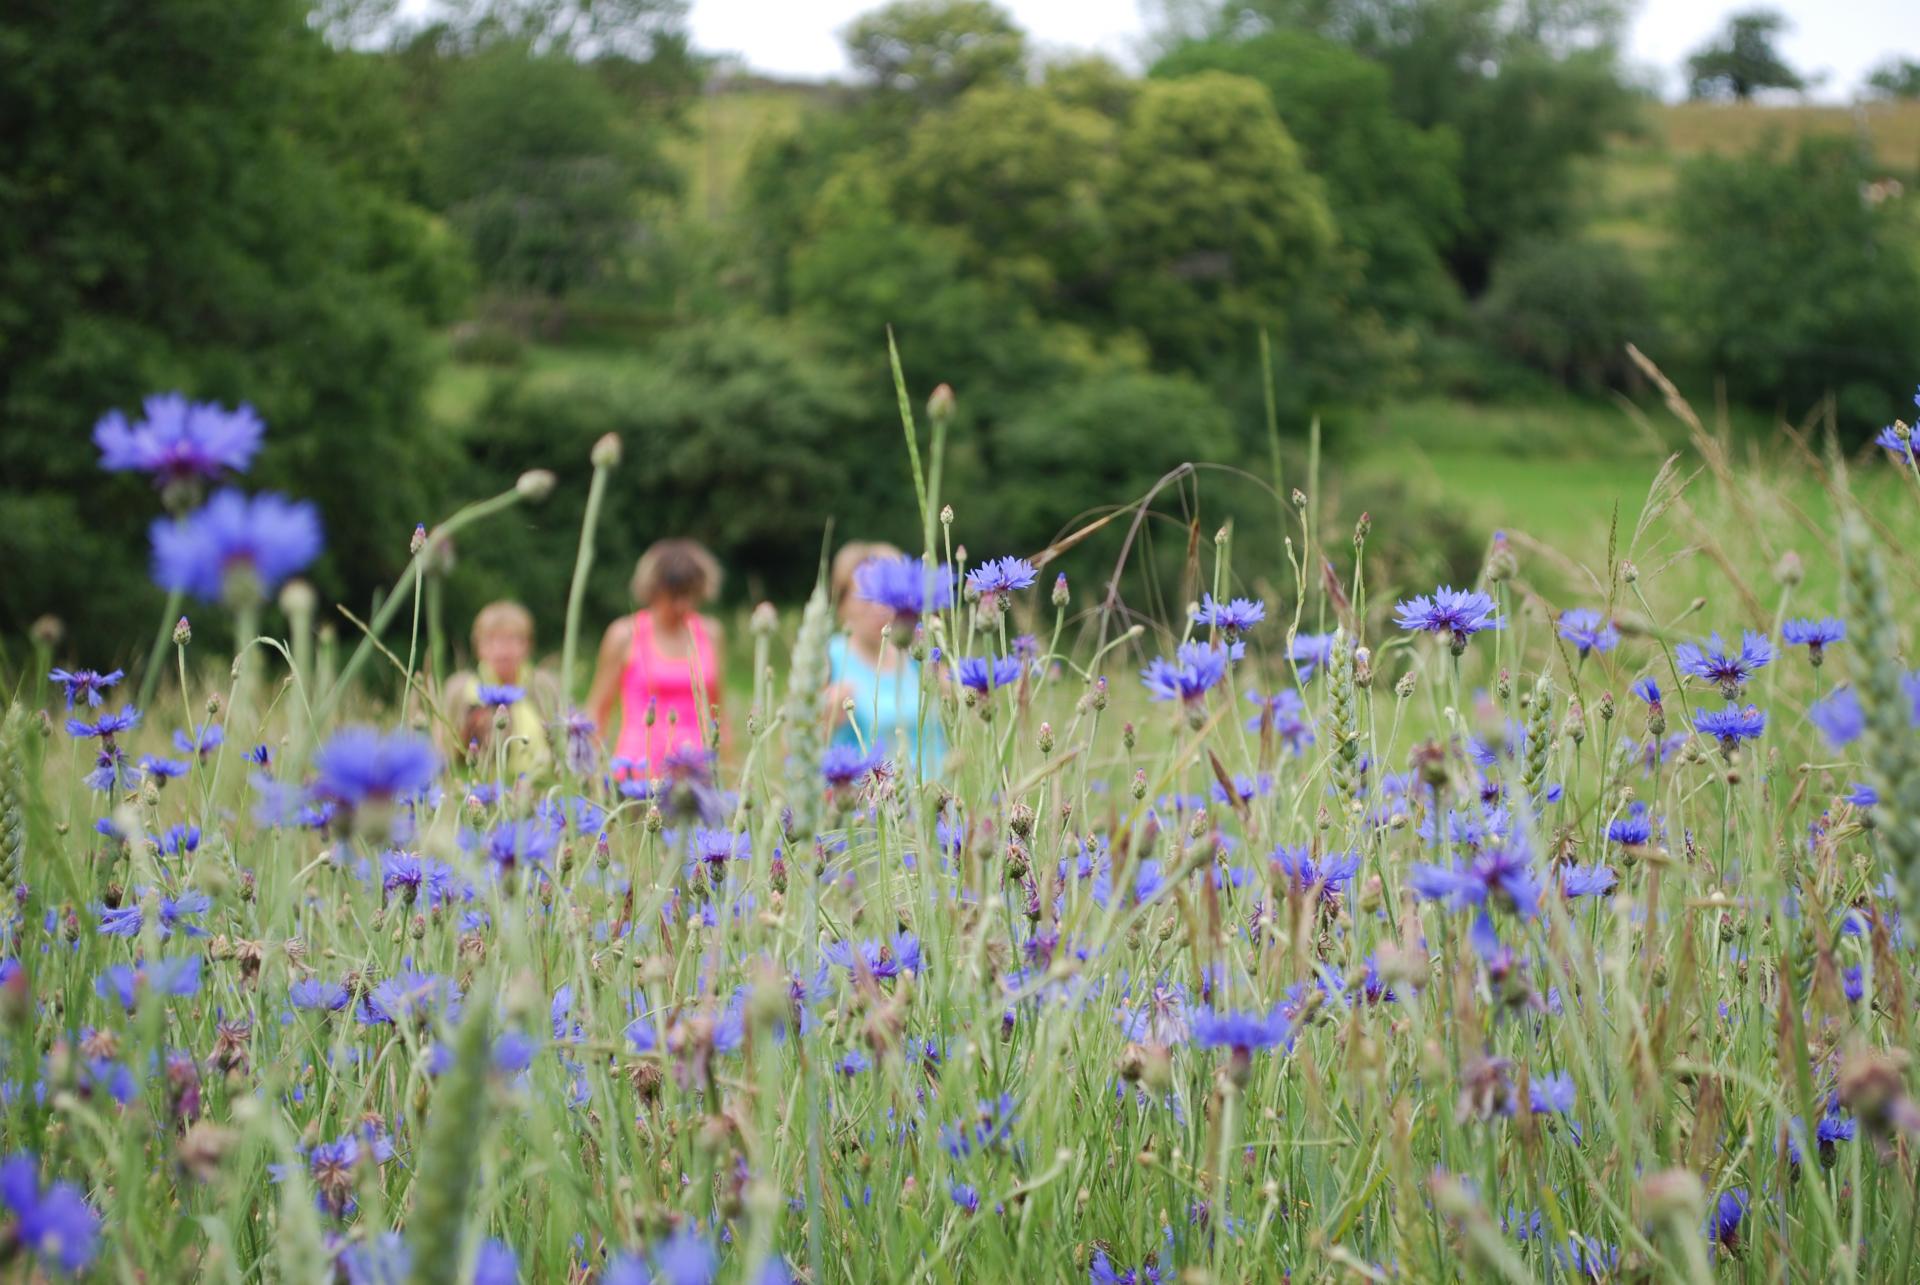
(877, 675)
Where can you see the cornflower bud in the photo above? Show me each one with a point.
(535, 484)
(182, 632)
(606, 451)
(940, 403)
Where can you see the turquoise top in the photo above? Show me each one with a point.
(886, 708)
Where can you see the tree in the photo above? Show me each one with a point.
(1391, 185)
(1528, 89)
(173, 215)
(1793, 285)
(1895, 78)
(1026, 178)
(532, 158)
(1219, 226)
(1743, 60)
(932, 51)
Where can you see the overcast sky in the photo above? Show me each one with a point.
(1843, 38)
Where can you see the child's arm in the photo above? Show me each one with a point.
(614, 646)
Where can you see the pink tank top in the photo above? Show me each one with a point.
(679, 688)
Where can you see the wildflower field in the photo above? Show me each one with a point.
(1333, 931)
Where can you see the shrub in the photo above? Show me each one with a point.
(739, 434)
(1569, 308)
(1793, 283)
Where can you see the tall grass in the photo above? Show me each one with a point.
(1134, 991)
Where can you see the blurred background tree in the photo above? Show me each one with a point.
(1743, 60)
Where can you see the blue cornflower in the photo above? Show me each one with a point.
(1588, 630)
(209, 739)
(1457, 613)
(179, 440)
(1834, 1128)
(164, 769)
(901, 582)
(236, 545)
(127, 920)
(843, 764)
(879, 960)
(108, 727)
(1839, 717)
(407, 994)
(1815, 635)
(1240, 1033)
(685, 1258)
(1731, 725)
(362, 765)
(514, 844)
(1231, 618)
(1000, 576)
(1310, 652)
(1291, 723)
(853, 1063)
(987, 673)
(1330, 874)
(989, 1126)
(1729, 670)
(1633, 829)
(494, 695)
(1499, 875)
(1647, 690)
(385, 1259)
(1195, 669)
(123, 982)
(1551, 1093)
(1861, 795)
(55, 1221)
(964, 1196)
(1587, 881)
(715, 848)
(112, 770)
(179, 840)
(1723, 1225)
(497, 1264)
(1904, 449)
(313, 993)
(85, 684)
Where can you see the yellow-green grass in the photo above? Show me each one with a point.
(723, 130)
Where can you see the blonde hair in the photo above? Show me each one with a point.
(678, 566)
(498, 617)
(851, 557)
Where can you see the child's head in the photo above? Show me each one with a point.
(678, 573)
(863, 620)
(503, 638)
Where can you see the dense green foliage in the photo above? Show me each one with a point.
(1569, 308)
(1794, 282)
(184, 204)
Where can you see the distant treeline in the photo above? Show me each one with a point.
(289, 206)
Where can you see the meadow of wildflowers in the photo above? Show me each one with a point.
(1331, 931)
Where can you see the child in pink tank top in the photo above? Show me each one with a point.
(661, 665)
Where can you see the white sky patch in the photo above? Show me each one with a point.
(1842, 39)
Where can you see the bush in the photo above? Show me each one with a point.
(1793, 284)
(739, 434)
(1113, 434)
(1569, 309)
